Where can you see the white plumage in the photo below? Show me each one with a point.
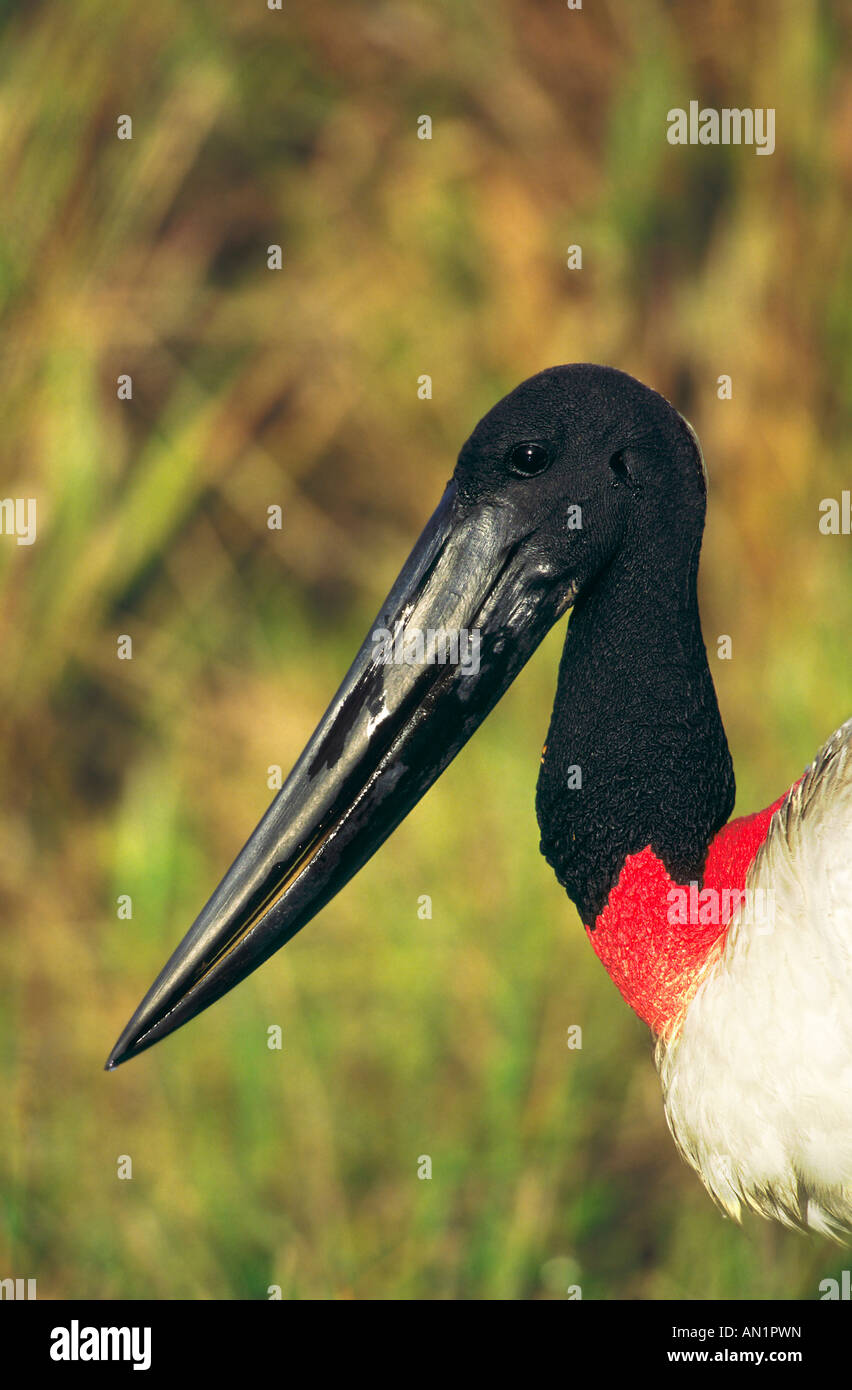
(757, 1073)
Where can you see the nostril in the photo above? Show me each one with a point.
(621, 467)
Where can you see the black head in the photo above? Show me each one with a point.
(636, 753)
(583, 487)
(589, 438)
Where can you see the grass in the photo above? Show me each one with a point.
(402, 1037)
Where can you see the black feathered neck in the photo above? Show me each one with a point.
(635, 718)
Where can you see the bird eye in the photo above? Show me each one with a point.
(621, 468)
(528, 459)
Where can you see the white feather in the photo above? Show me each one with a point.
(757, 1073)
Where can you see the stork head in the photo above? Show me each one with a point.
(578, 469)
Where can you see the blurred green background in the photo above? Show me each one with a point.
(401, 257)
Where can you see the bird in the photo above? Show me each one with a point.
(584, 489)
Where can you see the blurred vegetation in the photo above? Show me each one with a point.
(299, 387)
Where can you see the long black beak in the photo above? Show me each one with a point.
(467, 610)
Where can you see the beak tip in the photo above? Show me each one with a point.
(127, 1046)
(118, 1055)
(147, 1026)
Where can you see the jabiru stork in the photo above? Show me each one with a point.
(583, 488)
